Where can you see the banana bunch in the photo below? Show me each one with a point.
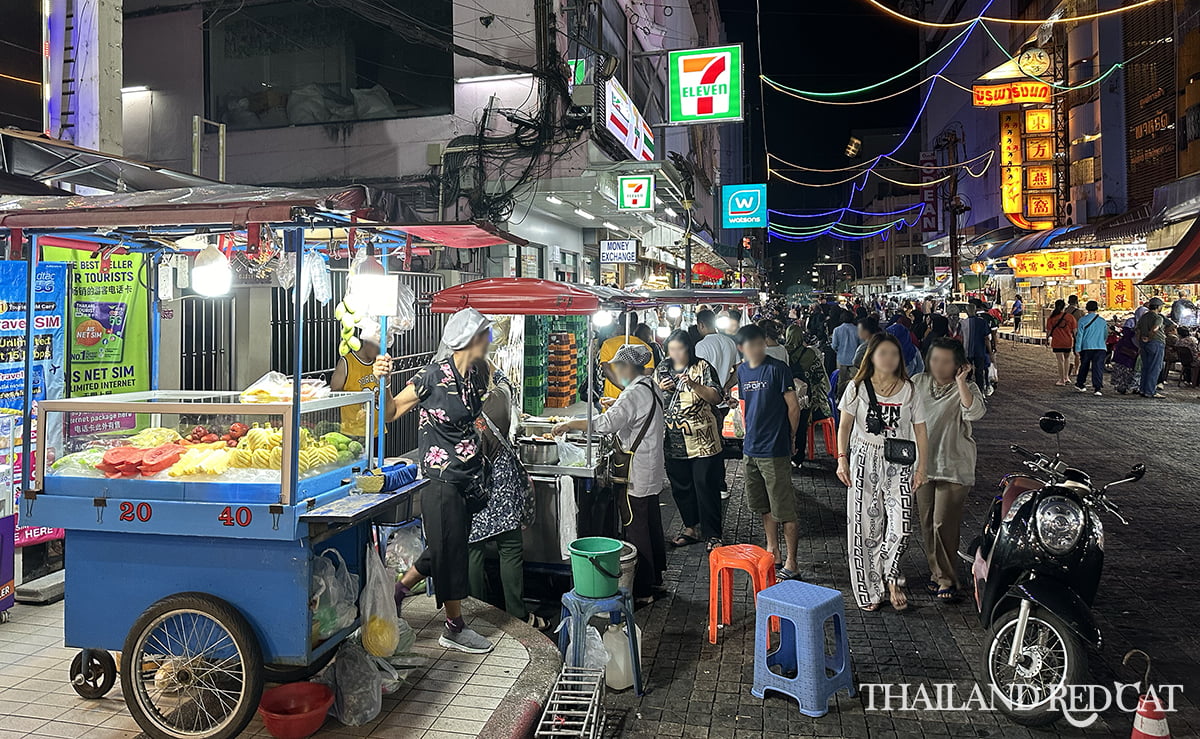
(202, 462)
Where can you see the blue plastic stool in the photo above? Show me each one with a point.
(803, 609)
(578, 611)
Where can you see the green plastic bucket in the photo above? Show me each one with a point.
(595, 566)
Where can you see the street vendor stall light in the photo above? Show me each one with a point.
(663, 332)
(584, 214)
(1012, 262)
(377, 291)
(978, 267)
(553, 200)
(602, 318)
(674, 312)
(211, 274)
(723, 323)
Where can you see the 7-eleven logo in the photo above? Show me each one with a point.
(635, 192)
(704, 84)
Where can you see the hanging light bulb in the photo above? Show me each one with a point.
(674, 312)
(375, 290)
(602, 318)
(211, 274)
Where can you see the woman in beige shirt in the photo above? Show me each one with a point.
(951, 403)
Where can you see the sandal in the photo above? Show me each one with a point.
(903, 604)
(537, 622)
(947, 595)
(684, 540)
(784, 573)
(932, 587)
(713, 543)
(873, 607)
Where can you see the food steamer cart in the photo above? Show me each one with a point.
(204, 586)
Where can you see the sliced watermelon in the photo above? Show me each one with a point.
(160, 458)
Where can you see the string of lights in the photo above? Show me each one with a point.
(856, 185)
(855, 211)
(1015, 21)
(795, 94)
(1064, 89)
(986, 155)
(893, 78)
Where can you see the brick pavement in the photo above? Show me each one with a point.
(1146, 600)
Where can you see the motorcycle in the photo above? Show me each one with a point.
(1036, 568)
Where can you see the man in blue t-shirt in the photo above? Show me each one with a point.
(771, 426)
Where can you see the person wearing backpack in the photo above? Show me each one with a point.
(1060, 327)
(1091, 344)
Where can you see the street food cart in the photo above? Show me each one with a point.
(537, 323)
(188, 551)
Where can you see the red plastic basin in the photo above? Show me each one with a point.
(296, 710)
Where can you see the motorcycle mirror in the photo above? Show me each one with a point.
(1052, 422)
(1138, 471)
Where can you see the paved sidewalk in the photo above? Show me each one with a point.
(1147, 597)
(455, 696)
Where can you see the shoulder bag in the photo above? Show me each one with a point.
(896, 451)
(620, 461)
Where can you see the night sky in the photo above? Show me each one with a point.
(833, 46)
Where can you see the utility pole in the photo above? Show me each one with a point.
(950, 141)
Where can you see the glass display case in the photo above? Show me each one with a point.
(200, 446)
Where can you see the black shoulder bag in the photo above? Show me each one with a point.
(620, 461)
(896, 451)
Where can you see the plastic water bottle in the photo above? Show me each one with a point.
(618, 674)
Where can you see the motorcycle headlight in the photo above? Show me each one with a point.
(1059, 523)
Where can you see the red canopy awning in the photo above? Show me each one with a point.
(462, 235)
(704, 269)
(1182, 265)
(527, 296)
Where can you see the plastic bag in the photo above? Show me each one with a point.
(357, 686)
(322, 283)
(404, 547)
(335, 595)
(570, 455)
(285, 273)
(993, 373)
(595, 656)
(276, 387)
(377, 609)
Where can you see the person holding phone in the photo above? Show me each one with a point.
(694, 462)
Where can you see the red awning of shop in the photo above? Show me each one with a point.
(1182, 265)
(526, 296)
(462, 235)
(704, 269)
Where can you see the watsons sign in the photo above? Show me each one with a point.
(705, 85)
(744, 206)
(1011, 93)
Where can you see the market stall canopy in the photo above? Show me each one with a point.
(1176, 201)
(220, 206)
(702, 296)
(706, 270)
(1034, 241)
(46, 160)
(1182, 265)
(526, 296)
(1123, 229)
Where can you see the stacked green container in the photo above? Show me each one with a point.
(537, 336)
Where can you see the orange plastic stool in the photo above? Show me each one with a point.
(722, 562)
(829, 429)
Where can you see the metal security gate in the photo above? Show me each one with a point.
(322, 333)
(207, 360)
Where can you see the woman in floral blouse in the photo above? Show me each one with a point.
(449, 397)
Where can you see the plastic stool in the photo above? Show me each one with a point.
(578, 611)
(804, 608)
(829, 429)
(722, 561)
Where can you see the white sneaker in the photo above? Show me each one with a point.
(1098, 393)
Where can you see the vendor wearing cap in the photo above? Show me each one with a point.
(449, 395)
(636, 417)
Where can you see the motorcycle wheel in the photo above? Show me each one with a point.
(1052, 657)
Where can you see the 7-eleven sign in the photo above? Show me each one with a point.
(705, 85)
(635, 192)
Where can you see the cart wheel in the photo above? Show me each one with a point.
(4, 617)
(98, 678)
(192, 668)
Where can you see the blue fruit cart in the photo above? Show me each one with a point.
(202, 581)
